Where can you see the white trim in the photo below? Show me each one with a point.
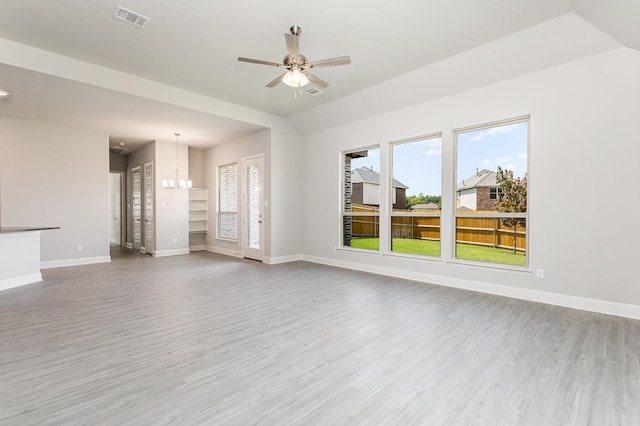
(74, 262)
(20, 281)
(129, 246)
(564, 300)
(226, 252)
(282, 259)
(198, 247)
(175, 252)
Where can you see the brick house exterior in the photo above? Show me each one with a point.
(478, 192)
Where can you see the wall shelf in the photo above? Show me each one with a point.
(198, 210)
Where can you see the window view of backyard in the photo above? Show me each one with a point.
(491, 194)
(490, 199)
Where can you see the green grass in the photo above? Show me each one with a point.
(432, 248)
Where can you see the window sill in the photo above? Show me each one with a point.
(486, 266)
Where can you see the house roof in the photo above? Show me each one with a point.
(366, 174)
(483, 178)
(427, 206)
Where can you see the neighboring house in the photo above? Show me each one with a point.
(478, 192)
(427, 206)
(366, 189)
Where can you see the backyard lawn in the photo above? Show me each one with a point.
(432, 248)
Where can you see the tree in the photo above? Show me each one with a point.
(513, 198)
(412, 200)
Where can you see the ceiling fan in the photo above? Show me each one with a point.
(297, 74)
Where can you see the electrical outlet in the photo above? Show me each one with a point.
(539, 273)
(78, 247)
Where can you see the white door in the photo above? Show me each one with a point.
(136, 208)
(115, 208)
(253, 207)
(148, 208)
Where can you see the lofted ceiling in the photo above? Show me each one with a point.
(194, 45)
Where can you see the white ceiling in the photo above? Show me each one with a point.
(194, 45)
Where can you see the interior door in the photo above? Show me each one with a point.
(115, 206)
(148, 209)
(136, 208)
(253, 207)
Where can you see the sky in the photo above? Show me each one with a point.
(418, 164)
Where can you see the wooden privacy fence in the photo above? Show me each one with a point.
(483, 231)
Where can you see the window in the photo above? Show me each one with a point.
(491, 193)
(361, 199)
(416, 196)
(228, 201)
(495, 193)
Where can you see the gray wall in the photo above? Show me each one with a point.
(55, 175)
(584, 203)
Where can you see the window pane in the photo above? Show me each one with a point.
(228, 225)
(492, 183)
(417, 188)
(228, 188)
(365, 232)
(361, 194)
(415, 235)
(228, 201)
(482, 157)
(492, 239)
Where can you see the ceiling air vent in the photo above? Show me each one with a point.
(131, 17)
(315, 92)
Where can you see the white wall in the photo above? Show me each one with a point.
(286, 194)
(468, 198)
(54, 175)
(233, 152)
(583, 145)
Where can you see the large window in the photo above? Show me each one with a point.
(491, 193)
(416, 196)
(228, 201)
(361, 199)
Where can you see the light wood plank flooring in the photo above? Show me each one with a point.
(208, 339)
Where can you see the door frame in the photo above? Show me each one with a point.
(247, 252)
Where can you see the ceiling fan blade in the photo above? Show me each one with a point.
(293, 47)
(258, 61)
(316, 80)
(342, 60)
(277, 80)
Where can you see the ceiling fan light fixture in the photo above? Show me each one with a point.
(295, 78)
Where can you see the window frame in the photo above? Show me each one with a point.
(455, 214)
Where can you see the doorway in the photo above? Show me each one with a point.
(253, 207)
(116, 208)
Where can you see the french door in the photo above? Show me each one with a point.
(136, 208)
(253, 207)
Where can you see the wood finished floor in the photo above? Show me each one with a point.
(208, 339)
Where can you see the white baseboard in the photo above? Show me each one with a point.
(199, 247)
(226, 252)
(74, 262)
(567, 301)
(20, 281)
(282, 259)
(176, 252)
